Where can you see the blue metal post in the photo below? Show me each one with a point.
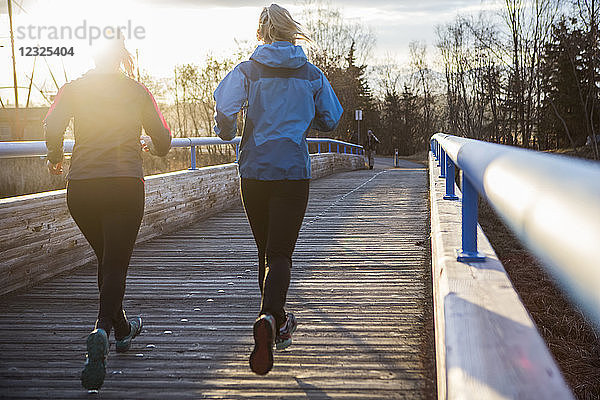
(450, 180)
(338, 147)
(470, 200)
(443, 164)
(319, 148)
(329, 146)
(193, 157)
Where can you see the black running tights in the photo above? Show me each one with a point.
(275, 210)
(109, 212)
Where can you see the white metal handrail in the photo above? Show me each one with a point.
(551, 202)
(38, 148)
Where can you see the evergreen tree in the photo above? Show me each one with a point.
(566, 79)
(350, 85)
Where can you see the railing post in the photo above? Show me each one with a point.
(450, 180)
(470, 200)
(329, 146)
(338, 148)
(319, 148)
(193, 157)
(443, 164)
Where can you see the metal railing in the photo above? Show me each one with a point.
(38, 148)
(551, 202)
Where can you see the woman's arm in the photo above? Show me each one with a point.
(55, 123)
(155, 125)
(230, 96)
(328, 109)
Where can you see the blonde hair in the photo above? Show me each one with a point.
(276, 24)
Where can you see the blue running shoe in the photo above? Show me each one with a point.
(284, 336)
(135, 328)
(261, 359)
(94, 369)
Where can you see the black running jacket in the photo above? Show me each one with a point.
(109, 111)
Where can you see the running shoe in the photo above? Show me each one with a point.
(94, 369)
(135, 328)
(284, 337)
(261, 359)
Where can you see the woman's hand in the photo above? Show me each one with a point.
(146, 144)
(55, 169)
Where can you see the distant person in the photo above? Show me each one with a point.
(370, 146)
(105, 189)
(286, 97)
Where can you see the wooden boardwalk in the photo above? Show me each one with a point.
(360, 291)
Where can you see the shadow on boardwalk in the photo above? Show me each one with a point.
(359, 289)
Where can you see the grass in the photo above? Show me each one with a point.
(586, 152)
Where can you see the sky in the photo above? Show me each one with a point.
(166, 33)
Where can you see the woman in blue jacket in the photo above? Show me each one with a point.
(286, 96)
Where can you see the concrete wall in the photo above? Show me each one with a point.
(487, 346)
(39, 239)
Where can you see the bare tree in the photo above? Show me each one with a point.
(422, 74)
(589, 14)
(332, 36)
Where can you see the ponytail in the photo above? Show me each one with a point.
(276, 24)
(127, 63)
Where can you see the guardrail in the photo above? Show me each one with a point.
(38, 148)
(551, 202)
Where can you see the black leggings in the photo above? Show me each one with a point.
(109, 213)
(275, 210)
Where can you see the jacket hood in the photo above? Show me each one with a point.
(279, 55)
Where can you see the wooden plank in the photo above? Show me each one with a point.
(359, 291)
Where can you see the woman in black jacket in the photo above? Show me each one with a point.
(105, 189)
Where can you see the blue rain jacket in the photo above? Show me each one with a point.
(286, 96)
